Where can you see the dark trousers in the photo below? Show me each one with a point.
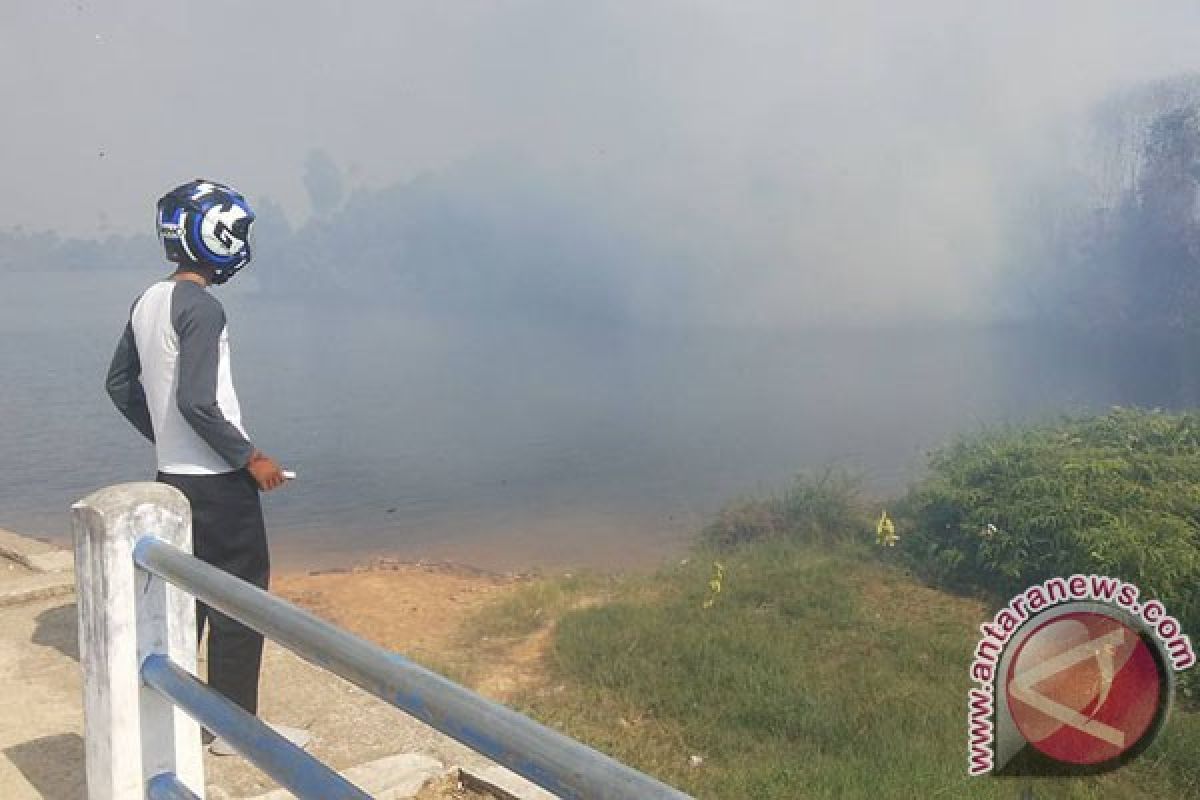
(228, 532)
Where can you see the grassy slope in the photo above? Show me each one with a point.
(818, 672)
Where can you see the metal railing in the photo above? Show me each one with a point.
(136, 580)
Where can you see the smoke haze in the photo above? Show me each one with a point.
(561, 277)
(760, 163)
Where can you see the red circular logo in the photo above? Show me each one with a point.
(1084, 688)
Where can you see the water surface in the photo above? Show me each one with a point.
(516, 444)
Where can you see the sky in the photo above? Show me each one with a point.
(800, 159)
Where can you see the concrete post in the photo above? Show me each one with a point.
(131, 733)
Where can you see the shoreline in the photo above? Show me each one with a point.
(547, 545)
(387, 564)
(495, 560)
(456, 562)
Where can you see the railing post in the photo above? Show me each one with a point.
(131, 733)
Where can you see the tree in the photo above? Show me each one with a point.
(323, 181)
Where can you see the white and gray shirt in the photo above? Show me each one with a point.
(170, 377)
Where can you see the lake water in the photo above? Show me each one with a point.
(516, 445)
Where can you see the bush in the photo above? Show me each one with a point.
(825, 507)
(1116, 494)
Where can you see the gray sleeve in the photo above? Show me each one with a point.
(124, 384)
(199, 323)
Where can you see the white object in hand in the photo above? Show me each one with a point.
(289, 475)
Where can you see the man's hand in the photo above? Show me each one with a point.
(266, 471)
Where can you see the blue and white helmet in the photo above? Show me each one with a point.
(203, 223)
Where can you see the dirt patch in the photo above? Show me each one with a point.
(514, 666)
(419, 610)
(409, 608)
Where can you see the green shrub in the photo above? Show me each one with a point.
(1116, 494)
(823, 507)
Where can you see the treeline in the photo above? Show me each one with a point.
(25, 251)
(1116, 245)
(487, 239)
(1109, 240)
(413, 245)
(490, 237)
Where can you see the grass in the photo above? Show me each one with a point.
(534, 606)
(818, 672)
(790, 657)
(489, 637)
(824, 507)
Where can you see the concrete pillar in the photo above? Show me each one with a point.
(131, 733)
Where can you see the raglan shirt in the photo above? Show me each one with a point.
(170, 377)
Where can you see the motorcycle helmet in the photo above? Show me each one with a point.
(204, 223)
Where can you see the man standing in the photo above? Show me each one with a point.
(170, 376)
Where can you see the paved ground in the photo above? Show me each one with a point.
(41, 745)
(40, 717)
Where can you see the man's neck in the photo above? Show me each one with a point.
(188, 275)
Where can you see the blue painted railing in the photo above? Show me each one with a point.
(297, 771)
(167, 787)
(549, 759)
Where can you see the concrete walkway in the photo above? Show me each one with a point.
(32, 570)
(41, 722)
(41, 725)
